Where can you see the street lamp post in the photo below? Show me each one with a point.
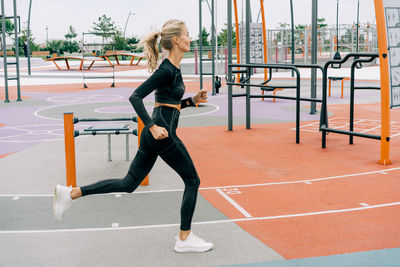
(126, 24)
(28, 37)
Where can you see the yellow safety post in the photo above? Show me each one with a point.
(384, 75)
(140, 126)
(69, 149)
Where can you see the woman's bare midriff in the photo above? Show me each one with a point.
(177, 106)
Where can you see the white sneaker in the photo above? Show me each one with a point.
(62, 200)
(192, 244)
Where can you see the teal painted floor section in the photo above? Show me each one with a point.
(373, 258)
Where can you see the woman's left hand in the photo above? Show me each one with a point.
(200, 96)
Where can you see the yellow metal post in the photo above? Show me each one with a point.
(384, 75)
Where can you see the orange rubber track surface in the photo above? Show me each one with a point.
(268, 153)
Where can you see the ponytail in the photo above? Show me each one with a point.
(151, 51)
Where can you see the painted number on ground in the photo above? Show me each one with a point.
(232, 191)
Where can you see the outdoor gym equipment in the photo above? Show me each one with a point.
(384, 73)
(17, 30)
(246, 82)
(358, 58)
(70, 133)
(93, 47)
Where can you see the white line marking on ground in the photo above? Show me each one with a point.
(384, 172)
(338, 120)
(15, 198)
(394, 135)
(371, 129)
(307, 182)
(115, 225)
(364, 204)
(201, 114)
(231, 186)
(118, 195)
(236, 205)
(201, 223)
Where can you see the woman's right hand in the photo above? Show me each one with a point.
(158, 132)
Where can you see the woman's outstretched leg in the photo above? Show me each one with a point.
(138, 170)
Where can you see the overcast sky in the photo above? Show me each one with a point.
(58, 15)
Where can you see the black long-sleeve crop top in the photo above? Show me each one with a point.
(168, 83)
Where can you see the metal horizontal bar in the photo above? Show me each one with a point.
(206, 59)
(238, 95)
(287, 97)
(358, 55)
(245, 84)
(107, 128)
(99, 77)
(8, 17)
(371, 136)
(76, 120)
(134, 132)
(11, 63)
(207, 73)
(14, 78)
(273, 66)
(239, 71)
(368, 88)
(309, 66)
(265, 87)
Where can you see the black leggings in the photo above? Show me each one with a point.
(171, 150)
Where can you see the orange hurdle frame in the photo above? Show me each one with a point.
(69, 140)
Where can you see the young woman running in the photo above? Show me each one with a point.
(158, 137)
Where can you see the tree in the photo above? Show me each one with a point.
(71, 34)
(9, 26)
(104, 27)
(283, 25)
(204, 37)
(69, 44)
(24, 37)
(321, 23)
(132, 44)
(223, 36)
(120, 42)
(9, 30)
(54, 45)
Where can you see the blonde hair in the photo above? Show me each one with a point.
(171, 28)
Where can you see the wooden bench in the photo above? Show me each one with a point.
(8, 53)
(40, 53)
(117, 53)
(81, 58)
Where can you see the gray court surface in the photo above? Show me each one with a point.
(106, 230)
(136, 229)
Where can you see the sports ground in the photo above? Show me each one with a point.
(263, 200)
